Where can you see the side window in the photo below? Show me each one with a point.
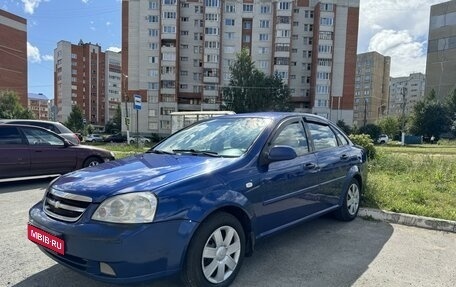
(293, 135)
(10, 136)
(322, 135)
(342, 139)
(40, 137)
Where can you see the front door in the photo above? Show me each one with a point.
(289, 188)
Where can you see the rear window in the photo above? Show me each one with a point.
(10, 135)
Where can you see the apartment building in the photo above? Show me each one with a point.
(371, 88)
(39, 105)
(177, 54)
(89, 78)
(441, 55)
(405, 92)
(13, 55)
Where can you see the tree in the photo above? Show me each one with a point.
(451, 108)
(113, 126)
(372, 130)
(389, 126)
(75, 121)
(344, 127)
(10, 107)
(250, 90)
(430, 117)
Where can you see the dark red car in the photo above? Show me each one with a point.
(33, 151)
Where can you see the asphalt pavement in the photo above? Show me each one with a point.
(324, 252)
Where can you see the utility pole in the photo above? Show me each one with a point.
(403, 93)
(127, 119)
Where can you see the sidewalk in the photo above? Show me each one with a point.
(407, 219)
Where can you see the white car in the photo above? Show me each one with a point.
(142, 140)
(94, 138)
(382, 139)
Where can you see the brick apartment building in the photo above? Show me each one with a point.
(39, 105)
(89, 78)
(177, 54)
(13, 55)
(371, 88)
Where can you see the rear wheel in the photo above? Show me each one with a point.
(92, 161)
(350, 206)
(216, 252)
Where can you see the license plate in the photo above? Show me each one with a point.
(45, 239)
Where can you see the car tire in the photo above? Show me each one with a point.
(350, 206)
(215, 253)
(92, 161)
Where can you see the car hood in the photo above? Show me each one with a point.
(138, 173)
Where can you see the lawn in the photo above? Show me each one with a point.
(418, 180)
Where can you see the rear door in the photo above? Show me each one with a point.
(334, 159)
(14, 153)
(48, 152)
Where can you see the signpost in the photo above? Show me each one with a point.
(137, 107)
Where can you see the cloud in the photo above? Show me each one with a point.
(114, 49)
(33, 54)
(398, 29)
(85, 1)
(47, 58)
(31, 5)
(108, 23)
(407, 55)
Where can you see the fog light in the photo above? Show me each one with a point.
(106, 269)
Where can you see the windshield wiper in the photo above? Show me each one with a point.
(197, 152)
(157, 151)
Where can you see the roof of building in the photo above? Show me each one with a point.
(39, 96)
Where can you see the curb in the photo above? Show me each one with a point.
(408, 219)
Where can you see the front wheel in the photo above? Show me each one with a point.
(350, 205)
(215, 253)
(92, 161)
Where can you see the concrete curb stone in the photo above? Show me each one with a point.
(408, 219)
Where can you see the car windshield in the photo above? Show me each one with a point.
(227, 137)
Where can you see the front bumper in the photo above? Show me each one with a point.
(134, 252)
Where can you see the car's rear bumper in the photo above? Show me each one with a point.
(134, 253)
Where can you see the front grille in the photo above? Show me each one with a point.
(65, 206)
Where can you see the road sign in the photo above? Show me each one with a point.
(137, 102)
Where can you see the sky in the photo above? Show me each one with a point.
(395, 28)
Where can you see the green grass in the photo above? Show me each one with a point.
(121, 150)
(418, 180)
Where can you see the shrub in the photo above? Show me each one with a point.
(366, 142)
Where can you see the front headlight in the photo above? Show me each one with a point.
(136, 207)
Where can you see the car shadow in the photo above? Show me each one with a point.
(324, 252)
(25, 184)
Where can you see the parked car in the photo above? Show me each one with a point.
(116, 138)
(33, 151)
(142, 140)
(200, 200)
(383, 139)
(94, 138)
(55, 127)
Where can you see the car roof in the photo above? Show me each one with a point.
(278, 115)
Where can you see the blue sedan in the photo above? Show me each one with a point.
(197, 203)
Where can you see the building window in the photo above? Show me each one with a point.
(153, 18)
(169, 29)
(169, 2)
(247, 8)
(229, 35)
(265, 9)
(229, 22)
(264, 37)
(169, 15)
(212, 3)
(284, 5)
(211, 31)
(229, 8)
(153, 32)
(264, 23)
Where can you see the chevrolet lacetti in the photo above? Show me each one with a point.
(198, 201)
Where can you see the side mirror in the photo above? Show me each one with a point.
(281, 152)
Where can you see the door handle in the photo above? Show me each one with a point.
(310, 165)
